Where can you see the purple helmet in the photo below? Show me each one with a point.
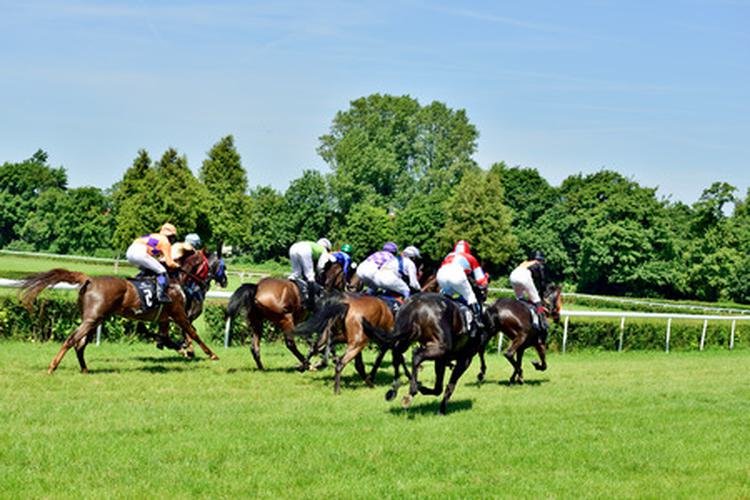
(391, 248)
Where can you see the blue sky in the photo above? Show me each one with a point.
(659, 90)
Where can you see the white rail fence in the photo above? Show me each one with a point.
(622, 315)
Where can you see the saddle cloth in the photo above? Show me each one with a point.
(146, 288)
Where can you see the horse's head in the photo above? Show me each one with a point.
(553, 301)
(332, 277)
(217, 270)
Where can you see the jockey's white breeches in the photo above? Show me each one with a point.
(300, 254)
(452, 279)
(523, 285)
(137, 255)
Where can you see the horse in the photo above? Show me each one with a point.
(437, 324)
(195, 289)
(276, 300)
(513, 318)
(340, 319)
(103, 296)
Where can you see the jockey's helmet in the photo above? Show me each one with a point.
(462, 246)
(412, 252)
(168, 229)
(391, 247)
(325, 243)
(346, 248)
(537, 255)
(193, 239)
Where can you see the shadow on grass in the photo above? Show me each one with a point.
(532, 382)
(432, 408)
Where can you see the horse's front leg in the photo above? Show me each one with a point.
(189, 331)
(461, 366)
(483, 367)
(541, 351)
(398, 360)
(439, 378)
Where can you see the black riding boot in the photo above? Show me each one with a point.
(313, 289)
(478, 322)
(162, 284)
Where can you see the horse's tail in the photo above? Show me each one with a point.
(381, 336)
(326, 314)
(244, 296)
(33, 285)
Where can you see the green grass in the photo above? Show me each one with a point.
(145, 423)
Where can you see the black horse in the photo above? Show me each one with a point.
(513, 318)
(439, 326)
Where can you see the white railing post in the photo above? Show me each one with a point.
(500, 343)
(731, 338)
(227, 329)
(622, 331)
(99, 334)
(669, 331)
(565, 334)
(703, 333)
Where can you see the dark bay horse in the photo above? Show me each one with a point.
(340, 320)
(435, 323)
(513, 318)
(102, 297)
(276, 300)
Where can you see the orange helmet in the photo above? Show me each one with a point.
(168, 229)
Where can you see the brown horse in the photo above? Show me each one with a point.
(513, 318)
(341, 320)
(102, 297)
(276, 300)
(434, 322)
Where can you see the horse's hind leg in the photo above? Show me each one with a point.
(461, 366)
(256, 326)
(483, 367)
(398, 360)
(73, 339)
(439, 378)
(510, 355)
(287, 326)
(80, 348)
(359, 365)
(370, 380)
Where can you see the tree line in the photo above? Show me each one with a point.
(401, 171)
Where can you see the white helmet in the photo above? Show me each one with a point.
(325, 243)
(412, 252)
(193, 239)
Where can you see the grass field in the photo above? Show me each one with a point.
(147, 424)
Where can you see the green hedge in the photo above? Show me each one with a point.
(56, 315)
(644, 334)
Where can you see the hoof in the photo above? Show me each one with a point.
(480, 377)
(303, 367)
(160, 346)
(406, 401)
(389, 396)
(369, 383)
(214, 357)
(540, 367)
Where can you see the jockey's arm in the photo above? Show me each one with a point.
(166, 250)
(411, 271)
(324, 259)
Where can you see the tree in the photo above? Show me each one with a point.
(270, 238)
(168, 192)
(476, 213)
(367, 228)
(308, 206)
(20, 185)
(226, 182)
(385, 149)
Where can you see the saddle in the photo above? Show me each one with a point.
(393, 303)
(538, 321)
(466, 313)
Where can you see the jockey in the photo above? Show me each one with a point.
(302, 255)
(344, 258)
(395, 273)
(185, 248)
(192, 287)
(368, 269)
(527, 279)
(145, 251)
(452, 278)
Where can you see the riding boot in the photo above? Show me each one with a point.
(476, 310)
(304, 290)
(312, 292)
(162, 284)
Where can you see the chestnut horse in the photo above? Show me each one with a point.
(340, 320)
(278, 301)
(513, 318)
(105, 296)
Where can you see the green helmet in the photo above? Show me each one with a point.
(346, 248)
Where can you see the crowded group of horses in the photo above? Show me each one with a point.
(438, 326)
